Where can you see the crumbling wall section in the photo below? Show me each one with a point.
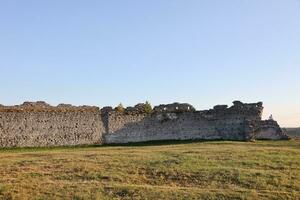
(269, 130)
(182, 122)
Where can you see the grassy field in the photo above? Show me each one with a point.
(195, 170)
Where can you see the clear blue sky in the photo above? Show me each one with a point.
(204, 52)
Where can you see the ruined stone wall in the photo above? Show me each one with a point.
(269, 130)
(41, 125)
(124, 128)
(182, 122)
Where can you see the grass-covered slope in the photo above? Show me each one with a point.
(199, 170)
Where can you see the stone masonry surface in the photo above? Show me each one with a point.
(37, 124)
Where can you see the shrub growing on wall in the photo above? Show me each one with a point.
(120, 108)
(148, 107)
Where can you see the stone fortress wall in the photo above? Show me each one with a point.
(39, 124)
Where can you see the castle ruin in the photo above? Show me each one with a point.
(37, 124)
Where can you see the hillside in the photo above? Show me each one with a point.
(293, 132)
(187, 170)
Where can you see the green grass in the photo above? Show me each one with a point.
(178, 170)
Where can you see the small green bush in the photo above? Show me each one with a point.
(148, 107)
(120, 108)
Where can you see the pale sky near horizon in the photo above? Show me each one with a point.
(204, 52)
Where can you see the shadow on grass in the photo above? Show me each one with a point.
(136, 144)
